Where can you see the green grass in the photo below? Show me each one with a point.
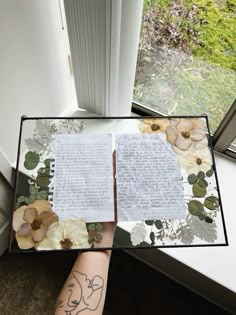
(216, 29)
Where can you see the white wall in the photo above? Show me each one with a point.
(35, 78)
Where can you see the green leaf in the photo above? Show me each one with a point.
(42, 180)
(91, 240)
(201, 175)
(158, 224)
(21, 199)
(32, 198)
(98, 227)
(152, 236)
(91, 227)
(43, 194)
(210, 172)
(47, 170)
(203, 183)
(211, 203)
(47, 162)
(33, 190)
(198, 191)
(208, 220)
(98, 237)
(195, 207)
(149, 222)
(31, 160)
(192, 179)
(202, 216)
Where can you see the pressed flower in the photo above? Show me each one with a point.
(153, 125)
(196, 159)
(69, 234)
(138, 234)
(31, 223)
(185, 132)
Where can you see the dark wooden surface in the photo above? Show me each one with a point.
(30, 284)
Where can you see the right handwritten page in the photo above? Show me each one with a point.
(149, 181)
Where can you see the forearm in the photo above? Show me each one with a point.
(85, 289)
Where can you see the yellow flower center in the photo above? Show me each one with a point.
(66, 243)
(35, 225)
(198, 161)
(186, 134)
(155, 127)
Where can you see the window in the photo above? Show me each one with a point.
(224, 137)
(187, 61)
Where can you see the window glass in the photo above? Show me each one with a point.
(233, 145)
(187, 58)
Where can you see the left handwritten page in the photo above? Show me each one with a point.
(82, 178)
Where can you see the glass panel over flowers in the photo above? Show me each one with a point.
(76, 177)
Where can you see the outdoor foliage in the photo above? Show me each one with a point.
(187, 57)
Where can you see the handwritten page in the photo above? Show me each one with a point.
(83, 177)
(149, 181)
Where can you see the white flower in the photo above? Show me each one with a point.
(69, 234)
(153, 125)
(184, 132)
(196, 159)
(138, 234)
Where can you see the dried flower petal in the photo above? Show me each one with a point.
(30, 214)
(73, 230)
(48, 217)
(25, 229)
(18, 218)
(39, 234)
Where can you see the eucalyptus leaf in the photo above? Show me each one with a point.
(158, 224)
(91, 240)
(192, 179)
(43, 194)
(195, 207)
(203, 183)
(98, 237)
(32, 198)
(202, 216)
(149, 222)
(208, 220)
(30, 166)
(21, 199)
(210, 172)
(201, 175)
(33, 190)
(31, 160)
(152, 236)
(211, 203)
(91, 227)
(47, 162)
(198, 191)
(98, 227)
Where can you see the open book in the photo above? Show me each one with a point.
(155, 176)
